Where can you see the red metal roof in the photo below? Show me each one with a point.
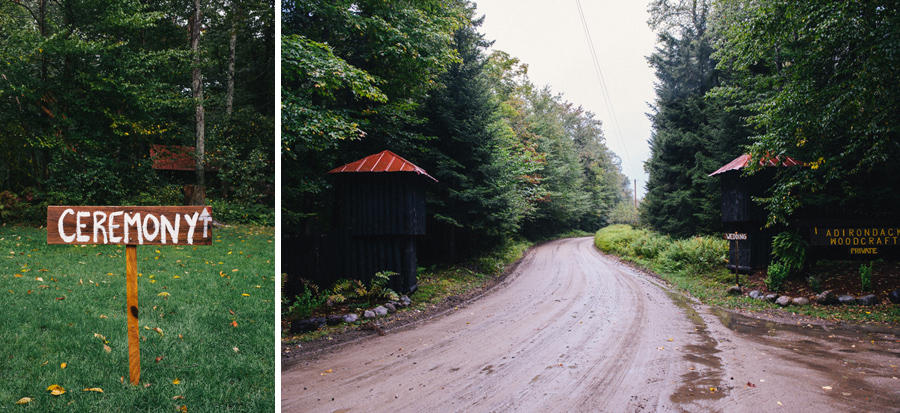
(742, 161)
(173, 158)
(385, 161)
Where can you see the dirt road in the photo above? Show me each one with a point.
(571, 330)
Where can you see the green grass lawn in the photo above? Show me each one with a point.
(207, 324)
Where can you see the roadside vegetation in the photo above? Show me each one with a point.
(206, 324)
(697, 266)
(437, 285)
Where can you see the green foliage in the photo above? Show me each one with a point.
(698, 253)
(865, 275)
(695, 254)
(88, 86)
(815, 283)
(819, 80)
(790, 248)
(239, 213)
(345, 289)
(777, 274)
(303, 305)
(693, 134)
(649, 244)
(617, 239)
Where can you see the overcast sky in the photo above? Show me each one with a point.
(549, 37)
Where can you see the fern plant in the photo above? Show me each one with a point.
(377, 289)
(790, 248)
(865, 275)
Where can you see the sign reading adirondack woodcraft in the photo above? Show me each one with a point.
(134, 225)
(130, 226)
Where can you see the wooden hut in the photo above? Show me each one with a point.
(740, 214)
(380, 211)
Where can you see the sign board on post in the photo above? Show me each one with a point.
(736, 237)
(130, 226)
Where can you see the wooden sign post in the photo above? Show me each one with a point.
(130, 226)
(737, 237)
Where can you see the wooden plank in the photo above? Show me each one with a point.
(131, 295)
(129, 225)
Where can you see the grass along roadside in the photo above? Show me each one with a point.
(436, 287)
(206, 324)
(696, 266)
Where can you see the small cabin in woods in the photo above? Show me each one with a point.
(379, 213)
(740, 214)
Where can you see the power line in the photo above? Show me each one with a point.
(604, 91)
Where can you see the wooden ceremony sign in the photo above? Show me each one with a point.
(130, 226)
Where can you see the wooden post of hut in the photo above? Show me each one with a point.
(380, 210)
(741, 215)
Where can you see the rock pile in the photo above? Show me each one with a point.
(316, 323)
(825, 298)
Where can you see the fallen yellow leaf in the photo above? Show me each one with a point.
(163, 294)
(158, 330)
(96, 389)
(62, 366)
(106, 348)
(245, 295)
(17, 276)
(56, 389)
(24, 400)
(176, 381)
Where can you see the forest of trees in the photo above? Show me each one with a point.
(816, 81)
(512, 159)
(88, 86)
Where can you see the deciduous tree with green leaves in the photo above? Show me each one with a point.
(820, 78)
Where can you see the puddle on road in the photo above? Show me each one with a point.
(704, 381)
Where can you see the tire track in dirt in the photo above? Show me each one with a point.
(569, 330)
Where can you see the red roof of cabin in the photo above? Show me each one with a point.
(385, 161)
(742, 161)
(173, 158)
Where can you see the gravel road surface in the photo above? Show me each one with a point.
(573, 331)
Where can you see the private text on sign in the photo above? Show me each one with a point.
(129, 225)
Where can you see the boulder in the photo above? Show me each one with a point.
(800, 301)
(405, 301)
(390, 307)
(827, 298)
(369, 314)
(350, 318)
(734, 290)
(380, 311)
(894, 296)
(867, 300)
(756, 294)
(846, 299)
(784, 301)
(334, 319)
(771, 297)
(305, 326)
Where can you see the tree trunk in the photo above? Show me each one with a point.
(232, 45)
(197, 89)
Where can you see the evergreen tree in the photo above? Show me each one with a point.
(475, 203)
(693, 135)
